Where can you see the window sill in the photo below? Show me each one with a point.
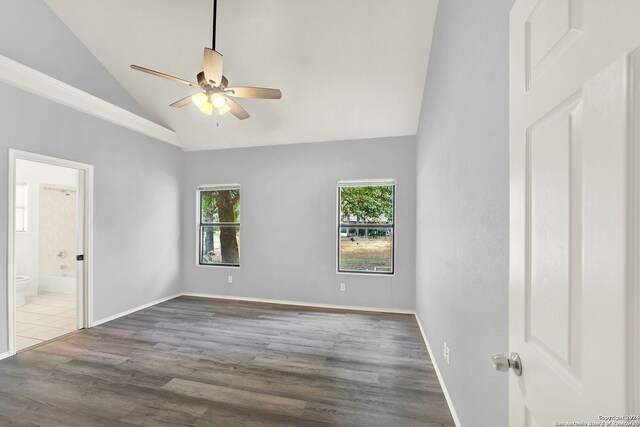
(363, 273)
(219, 265)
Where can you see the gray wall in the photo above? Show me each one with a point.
(137, 180)
(288, 214)
(463, 204)
(32, 34)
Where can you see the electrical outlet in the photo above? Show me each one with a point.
(230, 279)
(343, 287)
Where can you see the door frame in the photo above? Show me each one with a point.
(85, 196)
(633, 219)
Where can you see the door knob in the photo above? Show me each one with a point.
(502, 363)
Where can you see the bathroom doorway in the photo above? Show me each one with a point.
(49, 231)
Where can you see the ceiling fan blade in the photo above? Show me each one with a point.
(213, 62)
(254, 92)
(164, 76)
(182, 102)
(237, 110)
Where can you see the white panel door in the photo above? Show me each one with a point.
(573, 287)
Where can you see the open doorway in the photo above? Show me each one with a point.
(48, 225)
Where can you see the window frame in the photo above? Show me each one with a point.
(366, 183)
(200, 225)
(24, 207)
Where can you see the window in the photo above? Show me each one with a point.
(21, 207)
(366, 226)
(219, 225)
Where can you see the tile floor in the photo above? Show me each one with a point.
(44, 317)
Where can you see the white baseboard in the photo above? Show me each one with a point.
(301, 304)
(133, 310)
(456, 420)
(4, 355)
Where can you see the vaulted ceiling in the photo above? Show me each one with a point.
(348, 69)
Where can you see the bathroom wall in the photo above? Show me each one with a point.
(58, 231)
(27, 243)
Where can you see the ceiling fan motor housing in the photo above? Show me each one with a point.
(202, 81)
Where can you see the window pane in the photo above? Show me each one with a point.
(21, 195)
(220, 206)
(366, 204)
(21, 220)
(220, 245)
(367, 249)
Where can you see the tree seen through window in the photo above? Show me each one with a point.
(220, 227)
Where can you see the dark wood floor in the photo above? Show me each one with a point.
(206, 362)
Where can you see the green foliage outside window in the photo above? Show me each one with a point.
(371, 204)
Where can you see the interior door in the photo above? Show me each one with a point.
(573, 90)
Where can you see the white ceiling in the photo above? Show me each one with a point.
(348, 69)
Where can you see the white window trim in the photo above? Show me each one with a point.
(212, 187)
(365, 183)
(23, 206)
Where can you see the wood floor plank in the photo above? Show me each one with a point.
(199, 362)
(247, 399)
(228, 416)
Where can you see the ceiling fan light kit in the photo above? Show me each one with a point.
(201, 101)
(206, 103)
(215, 88)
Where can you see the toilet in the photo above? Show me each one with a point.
(22, 288)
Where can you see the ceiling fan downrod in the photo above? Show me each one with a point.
(215, 16)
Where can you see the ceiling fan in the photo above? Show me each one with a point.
(216, 92)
